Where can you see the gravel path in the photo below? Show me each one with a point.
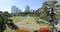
(19, 24)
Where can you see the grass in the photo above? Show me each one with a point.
(17, 18)
(32, 22)
(9, 30)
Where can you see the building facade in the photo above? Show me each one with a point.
(15, 10)
(27, 9)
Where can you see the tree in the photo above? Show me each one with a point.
(7, 14)
(0, 11)
(5, 21)
(40, 12)
(51, 6)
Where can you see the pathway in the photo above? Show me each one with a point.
(19, 24)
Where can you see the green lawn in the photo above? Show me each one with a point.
(17, 18)
(9, 30)
(30, 22)
(33, 23)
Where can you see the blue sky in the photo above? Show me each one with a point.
(5, 5)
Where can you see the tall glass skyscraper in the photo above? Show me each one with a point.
(15, 10)
(27, 9)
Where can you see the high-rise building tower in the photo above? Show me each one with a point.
(27, 9)
(13, 9)
(19, 10)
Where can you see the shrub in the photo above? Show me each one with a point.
(22, 31)
(35, 30)
(59, 31)
(44, 30)
(27, 23)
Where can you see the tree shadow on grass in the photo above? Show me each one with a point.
(11, 25)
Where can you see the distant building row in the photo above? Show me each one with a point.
(27, 9)
(14, 9)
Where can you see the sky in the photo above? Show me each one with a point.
(5, 5)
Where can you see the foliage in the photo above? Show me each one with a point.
(35, 30)
(22, 31)
(46, 8)
(5, 21)
(7, 14)
(57, 14)
(17, 18)
(42, 15)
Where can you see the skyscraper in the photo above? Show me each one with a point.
(31, 10)
(19, 10)
(27, 9)
(15, 10)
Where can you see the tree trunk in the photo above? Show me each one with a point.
(52, 19)
(54, 28)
